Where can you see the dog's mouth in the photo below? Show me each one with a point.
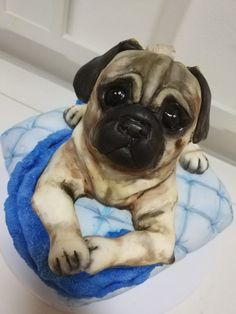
(130, 138)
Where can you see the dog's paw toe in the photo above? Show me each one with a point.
(65, 264)
(194, 162)
(101, 254)
(68, 258)
(73, 115)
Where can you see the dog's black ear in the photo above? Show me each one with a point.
(87, 75)
(203, 123)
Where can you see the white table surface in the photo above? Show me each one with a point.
(24, 91)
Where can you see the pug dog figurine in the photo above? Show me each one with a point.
(144, 112)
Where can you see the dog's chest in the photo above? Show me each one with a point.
(118, 192)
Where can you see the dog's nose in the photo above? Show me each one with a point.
(134, 128)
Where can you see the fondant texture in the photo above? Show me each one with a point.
(203, 210)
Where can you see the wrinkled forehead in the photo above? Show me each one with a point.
(156, 72)
(141, 62)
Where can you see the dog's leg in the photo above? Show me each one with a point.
(68, 251)
(193, 160)
(74, 114)
(152, 242)
(53, 201)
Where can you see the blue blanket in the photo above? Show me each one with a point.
(31, 239)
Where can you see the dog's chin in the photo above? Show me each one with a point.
(127, 159)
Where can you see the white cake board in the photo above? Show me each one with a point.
(157, 295)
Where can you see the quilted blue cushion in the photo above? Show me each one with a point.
(203, 210)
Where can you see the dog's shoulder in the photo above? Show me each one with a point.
(64, 164)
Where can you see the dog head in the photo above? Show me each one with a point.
(143, 107)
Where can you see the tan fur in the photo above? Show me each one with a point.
(78, 168)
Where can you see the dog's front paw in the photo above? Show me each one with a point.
(194, 161)
(68, 256)
(74, 114)
(102, 253)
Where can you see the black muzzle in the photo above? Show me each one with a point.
(130, 136)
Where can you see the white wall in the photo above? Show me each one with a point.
(207, 37)
(81, 28)
(59, 35)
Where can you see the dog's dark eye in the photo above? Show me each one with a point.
(115, 96)
(174, 117)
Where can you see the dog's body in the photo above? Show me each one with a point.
(142, 115)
